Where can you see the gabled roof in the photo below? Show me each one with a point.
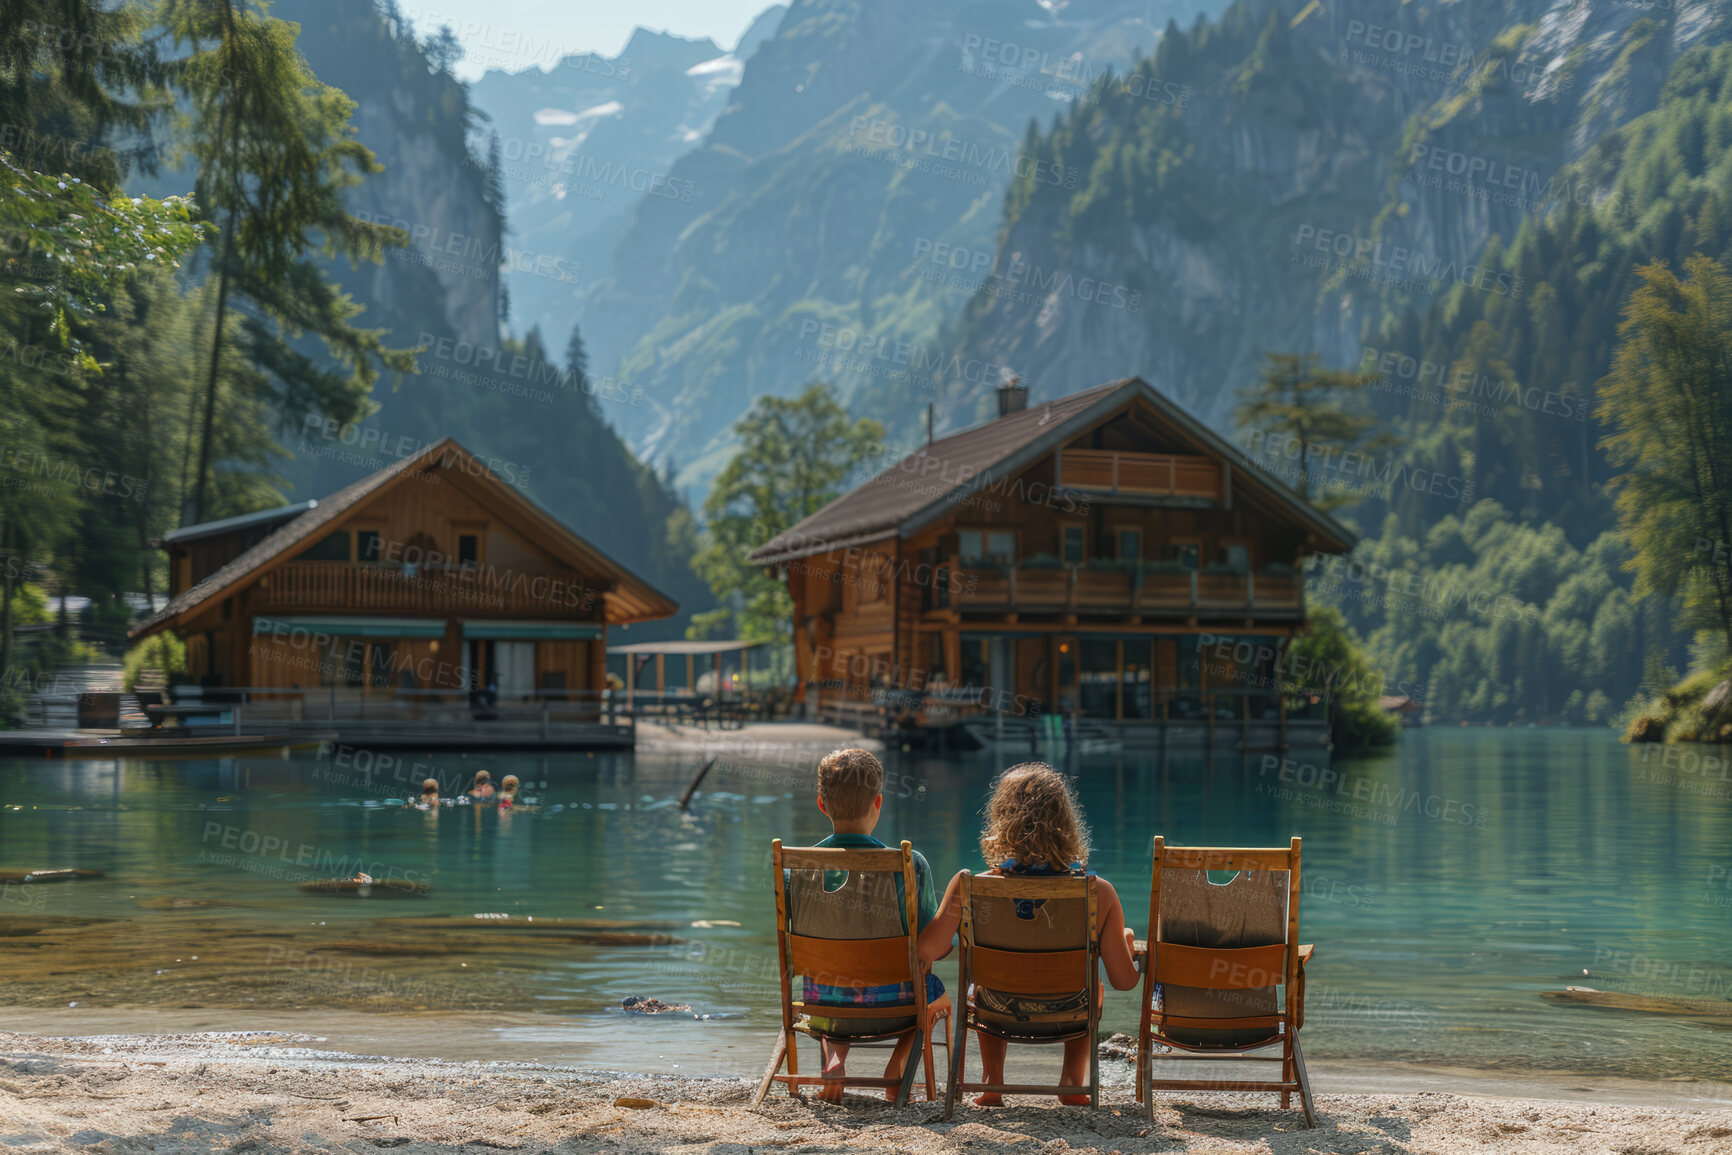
(933, 480)
(628, 598)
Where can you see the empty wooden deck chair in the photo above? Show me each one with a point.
(861, 933)
(1027, 943)
(1216, 955)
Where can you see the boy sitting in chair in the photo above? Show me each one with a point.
(850, 794)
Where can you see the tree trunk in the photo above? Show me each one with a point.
(210, 392)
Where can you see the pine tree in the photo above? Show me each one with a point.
(275, 152)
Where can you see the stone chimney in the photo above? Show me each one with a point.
(1012, 396)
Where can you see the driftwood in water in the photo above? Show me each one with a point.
(62, 874)
(686, 798)
(1645, 1004)
(378, 888)
(520, 923)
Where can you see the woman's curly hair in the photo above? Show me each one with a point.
(1033, 816)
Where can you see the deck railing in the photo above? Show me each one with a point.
(1140, 474)
(326, 586)
(1126, 591)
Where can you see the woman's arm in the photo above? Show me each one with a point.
(936, 939)
(1116, 939)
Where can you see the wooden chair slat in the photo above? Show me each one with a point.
(1220, 968)
(1018, 886)
(850, 962)
(841, 858)
(1224, 858)
(1029, 972)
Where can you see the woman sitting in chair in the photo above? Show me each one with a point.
(1034, 827)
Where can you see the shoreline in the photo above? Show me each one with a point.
(283, 1091)
(545, 1042)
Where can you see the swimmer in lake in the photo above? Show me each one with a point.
(429, 795)
(508, 792)
(483, 789)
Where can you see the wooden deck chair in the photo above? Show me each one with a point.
(862, 933)
(1027, 942)
(1218, 953)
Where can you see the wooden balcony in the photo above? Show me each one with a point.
(1149, 475)
(1123, 591)
(329, 587)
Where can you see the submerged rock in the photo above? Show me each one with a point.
(640, 1005)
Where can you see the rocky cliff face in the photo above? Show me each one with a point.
(867, 147)
(1338, 165)
(581, 143)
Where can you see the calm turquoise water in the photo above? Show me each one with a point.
(1447, 885)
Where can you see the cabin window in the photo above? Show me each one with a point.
(982, 547)
(1072, 551)
(331, 547)
(1186, 553)
(468, 548)
(1237, 558)
(367, 545)
(1130, 544)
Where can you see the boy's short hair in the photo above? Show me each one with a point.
(848, 781)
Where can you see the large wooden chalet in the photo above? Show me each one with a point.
(432, 580)
(1097, 556)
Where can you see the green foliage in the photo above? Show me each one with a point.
(794, 455)
(1496, 619)
(1668, 404)
(1350, 683)
(159, 658)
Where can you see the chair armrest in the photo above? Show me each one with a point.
(1140, 955)
(1305, 952)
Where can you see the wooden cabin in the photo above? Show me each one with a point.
(431, 577)
(1101, 556)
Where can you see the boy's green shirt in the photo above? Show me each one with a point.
(925, 901)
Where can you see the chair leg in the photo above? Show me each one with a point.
(958, 1051)
(908, 1068)
(931, 1087)
(1287, 1071)
(1305, 1103)
(776, 1057)
(1095, 1071)
(1146, 1077)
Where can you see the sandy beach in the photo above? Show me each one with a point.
(257, 1091)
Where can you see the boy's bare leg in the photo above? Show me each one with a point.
(1075, 1072)
(992, 1049)
(893, 1069)
(834, 1056)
